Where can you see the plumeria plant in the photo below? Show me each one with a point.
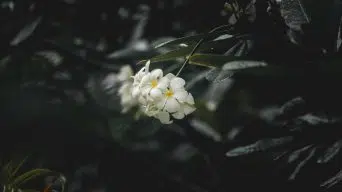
(156, 95)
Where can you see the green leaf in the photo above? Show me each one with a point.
(294, 13)
(331, 152)
(15, 171)
(211, 60)
(191, 40)
(302, 164)
(26, 31)
(28, 176)
(174, 54)
(258, 146)
(6, 171)
(297, 153)
(238, 65)
(185, 51)
(273, 71)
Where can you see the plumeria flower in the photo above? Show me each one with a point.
(164, 117)
(174, 99)
(125, 73)
(150, 86)
(158, 96)
(174, 94)
(138, 77)
(125, 91)
(185, 108)
(127, 100)
(152, 110)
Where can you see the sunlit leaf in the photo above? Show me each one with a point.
(236, 65)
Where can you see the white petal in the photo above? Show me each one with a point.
(181, 95)
(145, 91)
(172, 105)
(146, 79)
(156, 93)
(178, 115)
(135, 92)
(188, 109)
(160, 103)
(156, 74)
(142, 100)
(125, 87)
(147, 65)
(163, 83)
(164, 117)
(177, 83)
(190, 99)
(169, 76)
(125, 73)
(141, 72)
(151, 110)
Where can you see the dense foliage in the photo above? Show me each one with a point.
(264, 75)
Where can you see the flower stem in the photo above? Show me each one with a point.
(196, 47)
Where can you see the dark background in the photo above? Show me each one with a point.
(65, 127)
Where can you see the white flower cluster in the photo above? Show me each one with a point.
(157, 95)
(125, 91)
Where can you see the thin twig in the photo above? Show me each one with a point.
(196, 47)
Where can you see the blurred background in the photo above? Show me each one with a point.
(59, 104)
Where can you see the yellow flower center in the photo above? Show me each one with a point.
(168, 93)
(154, 83)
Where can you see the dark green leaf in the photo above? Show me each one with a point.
(234, 49)
(295, 155)
(211, 60)
(26, 32)
(15, 171)
(293, 108)
(333, 181)
(191, 40)
(258, 146)
(205, 129)
(294, 13)
(174, 54)
(331, 152)
(28, 176)
(51, 56)
(302, 163)
(226, 62)
(185, 51)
